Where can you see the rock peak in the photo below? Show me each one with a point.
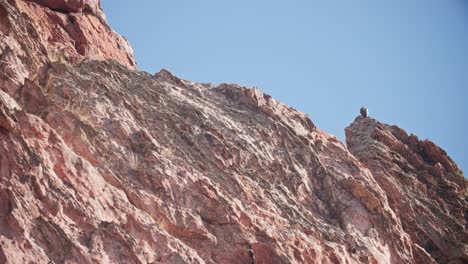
(100, 163)
(165, 75)
(65, 31)
(415, 173)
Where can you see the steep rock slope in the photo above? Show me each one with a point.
(33, 34)
(100, 163)
(425, 188)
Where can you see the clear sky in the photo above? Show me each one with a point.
(407, 61)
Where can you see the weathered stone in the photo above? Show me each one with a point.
(426, 189)
(62, 5)
(100, 163)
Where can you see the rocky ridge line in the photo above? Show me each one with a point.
(100, 163)
(425, 188)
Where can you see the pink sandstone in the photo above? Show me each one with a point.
(101, 163)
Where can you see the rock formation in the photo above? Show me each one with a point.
(100, 163)
(424, 187)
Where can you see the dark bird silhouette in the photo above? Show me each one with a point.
(364, 112)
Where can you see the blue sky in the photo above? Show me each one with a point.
(407, 61)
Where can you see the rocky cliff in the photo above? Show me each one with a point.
(100, 163)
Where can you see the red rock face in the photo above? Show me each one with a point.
(425, 188)
(5, 24)
(67, 31)
(62, 5)
(100, 163)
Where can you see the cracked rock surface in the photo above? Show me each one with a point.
(100, 163)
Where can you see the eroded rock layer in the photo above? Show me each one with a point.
(36, 32)
(425, 188)
(100, 163)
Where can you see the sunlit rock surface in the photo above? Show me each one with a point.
(100, 163)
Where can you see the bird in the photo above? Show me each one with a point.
(364, 112)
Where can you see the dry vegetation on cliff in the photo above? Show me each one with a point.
(100, 163)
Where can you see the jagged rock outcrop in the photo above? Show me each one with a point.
(425, 188)
(100, 163)
(35, 33)
(62, 5)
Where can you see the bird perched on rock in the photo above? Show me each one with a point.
(364, 112)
